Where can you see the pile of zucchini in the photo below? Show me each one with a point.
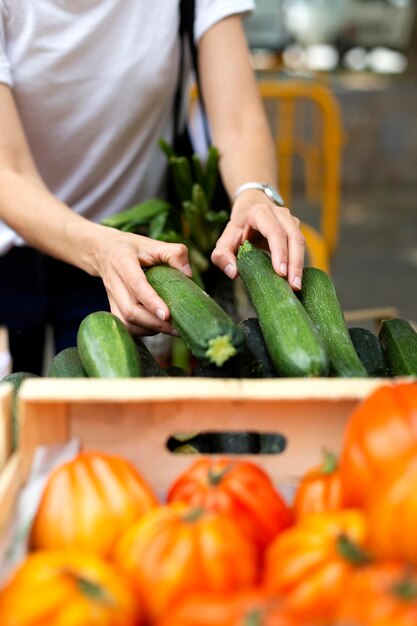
(300, 334)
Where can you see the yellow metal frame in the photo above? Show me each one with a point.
(321, 156)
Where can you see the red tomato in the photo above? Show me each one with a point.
(246, 608)
(384, 594)
(68, 588)
(392, 513)
(309, 564)
(379, 433)
(320, 490)
(240, 488)
(89, 502)
(176, 549)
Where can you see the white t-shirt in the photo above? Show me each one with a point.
(94, 82)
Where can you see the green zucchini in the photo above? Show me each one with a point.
(291, 338)
(175, 370)
(207, 330)
(400, 342)
(67, 364)
(319, 298)
(257, 347)
(16, 379)
(106, 347)
(370, 351)
(150, 366)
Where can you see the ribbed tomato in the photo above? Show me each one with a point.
(88, 502)
(251, 608)
(392, 513)
(384, 594)
(380, 431)
(310, 563)
(240, 488)
(68, 588)
(177, 549)
(320, 489)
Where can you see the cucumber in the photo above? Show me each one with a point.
(194, 443)
(292, 340)
(207, 330)
(203, 369)
(319, 298)
(400, 342)
(16, 379)
(257, 347)
(67, 364)
(150, 366)
(175, 370)
(370, 351)
(106, 347)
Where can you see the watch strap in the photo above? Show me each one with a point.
(272, 193)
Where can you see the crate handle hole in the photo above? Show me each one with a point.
(226, 442)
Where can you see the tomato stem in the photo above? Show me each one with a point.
(330, 462)
(90, 588)
(215, 476)
(254, 618)
(406, 589)
(350, 551)
(193, 514)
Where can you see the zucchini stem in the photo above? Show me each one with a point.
(220, 350)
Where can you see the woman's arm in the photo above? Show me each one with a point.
(44, 222)
(241, 133)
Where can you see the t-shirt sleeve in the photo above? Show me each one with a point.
(209, 12)
(5, 70)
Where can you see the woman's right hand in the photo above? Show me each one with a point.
(120, 261)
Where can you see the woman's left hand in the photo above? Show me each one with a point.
(268, 226)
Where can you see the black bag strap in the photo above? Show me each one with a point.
(186, 30)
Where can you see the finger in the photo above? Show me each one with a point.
(133, 277)
(134, 313)
(296, 252)
(135, 329)
(224, 254)
(173, 254)
(274, 229)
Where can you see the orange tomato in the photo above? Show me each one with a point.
(384, 594)
(310, 563)
(320, 489)
(89, 502)
(392, 513)
(251, 607)
(68, 588)
(176, 549)
(380, 431)
(240, 488)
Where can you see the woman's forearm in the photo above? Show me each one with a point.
(47, 224)
(241, 132)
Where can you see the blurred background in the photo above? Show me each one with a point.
(339, 81)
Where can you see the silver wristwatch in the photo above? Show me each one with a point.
(267, 189)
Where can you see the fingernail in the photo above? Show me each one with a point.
(160, 313)
(297, 282)
(230, 270)
(175, 332)
(283, 268)
(187, 269)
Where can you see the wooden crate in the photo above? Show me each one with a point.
(135, 417)
(11, 478)
(5, 358)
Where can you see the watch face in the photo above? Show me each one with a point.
(274, 195)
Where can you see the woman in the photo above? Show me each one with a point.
(86, 89)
